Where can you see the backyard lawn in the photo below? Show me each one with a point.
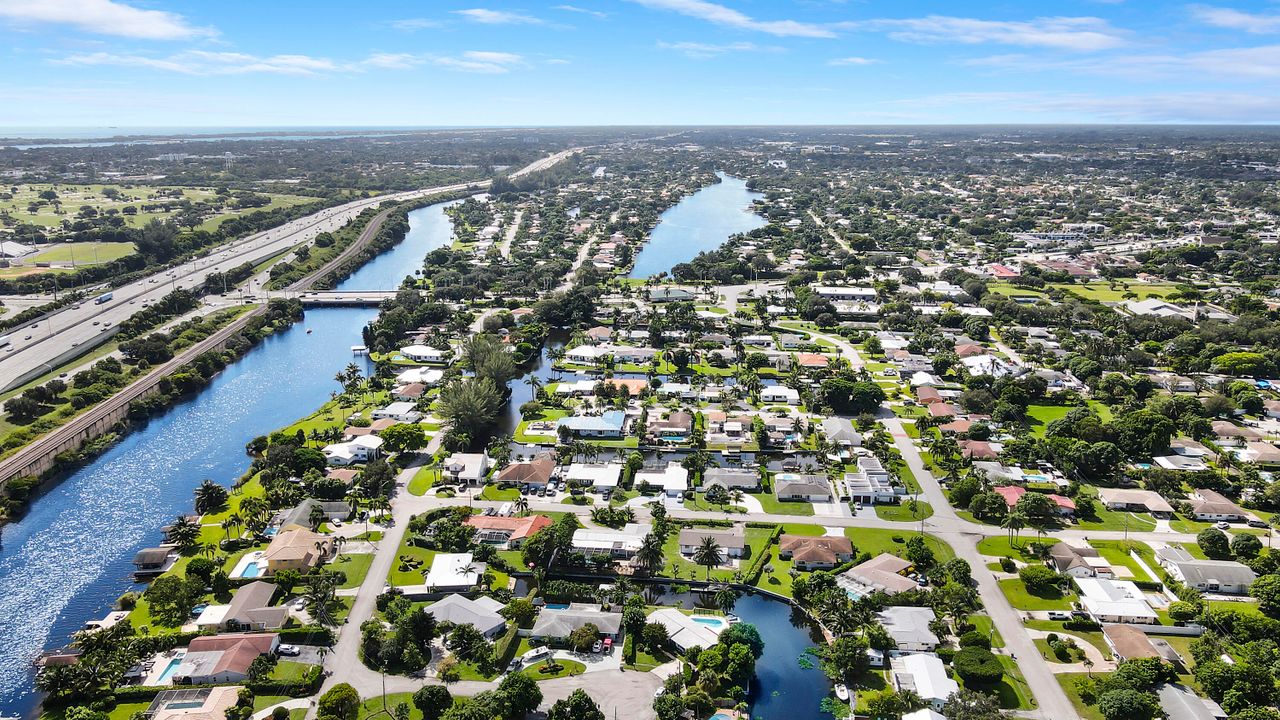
(757, 539)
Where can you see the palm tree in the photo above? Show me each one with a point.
(535, 384)
(707, 554)
(1014, 521)
(522, 505)
(184, 533)
(316, 517)
(650, 555)
(210, 497)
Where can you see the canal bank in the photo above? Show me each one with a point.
(69, 557)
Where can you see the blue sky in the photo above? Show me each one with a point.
(437, 62)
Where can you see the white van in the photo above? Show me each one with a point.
(506, 510)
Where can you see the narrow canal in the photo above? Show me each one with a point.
(67, 560)
(700, 222)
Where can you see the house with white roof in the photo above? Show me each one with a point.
(600, 476)
(470, 468)
(673, 479)
(425, 354)
(454, 572)
(926, 676)
(622, 543)
(482, 613)
(1117, 601)
(779, 394)
(360, 449)
(404, 412)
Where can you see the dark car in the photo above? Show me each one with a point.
(1257, 523)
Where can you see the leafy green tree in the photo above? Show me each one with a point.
(404, 437)
(972, 705)
(1214, 543)
(578, 706)
(1038, 579)
(1245, 546)
(432, 701)
(1266, 590)
(341, 701)
(1127, 704)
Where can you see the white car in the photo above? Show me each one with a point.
(1222, 525)
(288, 650)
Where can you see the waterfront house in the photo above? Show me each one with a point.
(802, 488)
(532, 472)
(554, 625)
(298, 549)
(300, 515)
(732, 541)
(214, 659)
(926, 676)
(425, 354)
(909, 627)
(821, 552)
(601, 476)
(839, 431)
(361, 449)
(609, 424)
(620, 544)
(882, 573)
(731, 479)
(401, 412)
(673, 479)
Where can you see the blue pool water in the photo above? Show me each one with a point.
(169, 670)
(557, 606)
(253, 569)
(713, 622)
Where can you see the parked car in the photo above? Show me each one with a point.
(1257, 523)
(288, 650)
(1222, 525)
(598, 646)
(1059, 615)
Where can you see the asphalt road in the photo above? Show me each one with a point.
(39, 346)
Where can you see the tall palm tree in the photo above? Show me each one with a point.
(708, 554)
(650, 555)
(1014, 521)
(522, 504)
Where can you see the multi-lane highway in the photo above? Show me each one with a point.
(40, 347)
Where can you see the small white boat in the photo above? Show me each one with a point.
(308, 331)
(842, 692)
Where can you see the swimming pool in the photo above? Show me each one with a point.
(250, 566)
(557, 606)
(169, 670)
(721, 716)
(251, 570)
(714, 622)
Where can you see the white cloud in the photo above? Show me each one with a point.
(497, 17)
(102, 17)
(728, 17)
(414, 24)
(582, 11)
(1059, 33)
(708, 50)
(1232, 19)
(853, 60)
(1227, 64)
(483, 62)
(201, 62)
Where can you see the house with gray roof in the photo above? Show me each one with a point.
(482, 613)
(1214, 576)
(555, 624)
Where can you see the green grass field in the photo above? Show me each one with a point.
(878, 540)
(83, 253)
(71, 198)
(901, 513)
(1023, 599)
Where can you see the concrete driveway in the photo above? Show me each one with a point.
(619, 693)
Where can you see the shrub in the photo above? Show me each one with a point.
(978, 666)
(973, 638)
